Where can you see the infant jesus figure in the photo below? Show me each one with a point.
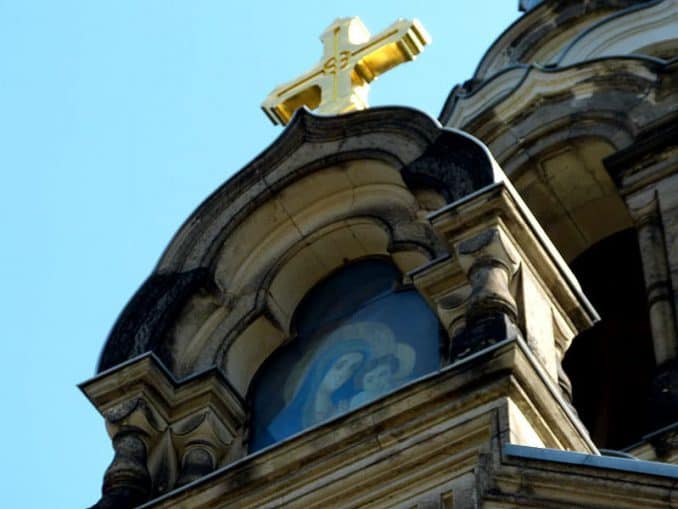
(375, 379)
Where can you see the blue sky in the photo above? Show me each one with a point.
(117, 118)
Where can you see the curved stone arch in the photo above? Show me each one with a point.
(561, 115)
(328, 200)
(519, 90)
(605, 126)
(393, 157)
(358, 188)
(242, 353)
(559, 171)
(576, 201)
(626, 32)
(541, 34)
(252, 267)
(616, 90)
(401, 137)
(557, 165)
(464, 103)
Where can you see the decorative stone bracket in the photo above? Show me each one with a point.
(504, 278)
(490, 264)
(165, 433)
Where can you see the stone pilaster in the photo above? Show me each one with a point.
(652, 245)
(646, 212)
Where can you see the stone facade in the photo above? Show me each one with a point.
(576, 103)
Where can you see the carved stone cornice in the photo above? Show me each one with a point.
(153, 419)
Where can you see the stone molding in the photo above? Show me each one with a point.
(543, 32)
(570, 479)
(593, 91)
(396, 136)
(626, 32)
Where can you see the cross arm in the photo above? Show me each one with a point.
(285, 99)
(401, 42)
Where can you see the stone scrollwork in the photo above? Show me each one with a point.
(136, 414)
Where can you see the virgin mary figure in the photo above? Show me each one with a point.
(325, 390)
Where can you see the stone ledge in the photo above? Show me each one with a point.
(589, 460)
(447, 420)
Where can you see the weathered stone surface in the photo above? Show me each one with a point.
(144, 321)
(582, 119)
(375, 451)
(330, 190)
(579, 107)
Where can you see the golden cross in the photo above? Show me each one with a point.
(351, 60)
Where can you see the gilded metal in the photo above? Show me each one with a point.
(351, 60)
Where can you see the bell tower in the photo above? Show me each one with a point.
(377, 310)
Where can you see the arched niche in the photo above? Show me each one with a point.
(328, 191)
(330, 249)
(568, 189)
(356, 336)
(314, 226)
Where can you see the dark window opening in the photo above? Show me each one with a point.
(611, 365)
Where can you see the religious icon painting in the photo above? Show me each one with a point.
(360, 336)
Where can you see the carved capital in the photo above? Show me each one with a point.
(135, 414)
(201, 441)
(490, 262)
